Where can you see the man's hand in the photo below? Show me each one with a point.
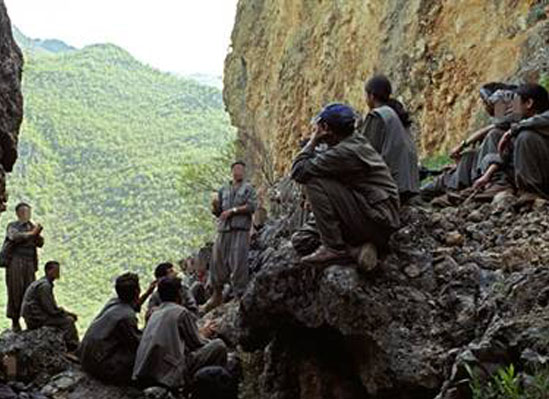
(505, 142)
(209, 328)
(152, 286)
(481, 182)
(37, 229)
(226, 214)
(318, 134)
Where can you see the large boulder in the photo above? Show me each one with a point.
(32, 356)
(406, 330)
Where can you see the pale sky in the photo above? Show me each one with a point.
(183, 36)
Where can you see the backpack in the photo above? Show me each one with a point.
(6, 253)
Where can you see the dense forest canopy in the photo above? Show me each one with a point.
(110, 151)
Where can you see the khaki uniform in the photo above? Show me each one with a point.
(172, 350)
(531, 155)
(352, 194)
(395, 143)
(40, 310)
(21, 270)
(230, 252)
(108, 349)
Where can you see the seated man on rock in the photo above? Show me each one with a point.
(40, 308)
(352, 195)
(108, 349)
(525, 147)
(471, 161)
(167, 269)
(173, 348)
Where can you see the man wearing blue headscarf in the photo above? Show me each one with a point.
(353, 197)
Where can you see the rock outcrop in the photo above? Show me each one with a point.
(435, 304)
(33, 365)
(290, 57)
(11, 100)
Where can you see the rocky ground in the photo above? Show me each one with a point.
(461, 288)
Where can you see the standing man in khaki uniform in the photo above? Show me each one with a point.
(23, 260)
(234, 206)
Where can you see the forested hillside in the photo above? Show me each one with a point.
(107, 148)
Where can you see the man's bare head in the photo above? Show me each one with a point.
(238, 170)
(23, 212)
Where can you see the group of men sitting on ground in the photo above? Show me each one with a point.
(171, 352)
(356, 174)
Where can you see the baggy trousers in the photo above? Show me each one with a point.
(230, 260)
(344, 217)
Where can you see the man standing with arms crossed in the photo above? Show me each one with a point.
(22, 260)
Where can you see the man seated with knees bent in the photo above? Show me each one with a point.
(353, 197)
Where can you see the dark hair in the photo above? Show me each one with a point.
(340, 118)
(169, 288)
(126, 285)
(21, 205)
(162, 269)
(242, 163)
(537, 93)
(380, 87)
(214, 382)
(50, 265)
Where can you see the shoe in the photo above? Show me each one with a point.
(441, 202)
(71, 356)
(367, 257)
(489, 194)
(326, 255)
(526, 198)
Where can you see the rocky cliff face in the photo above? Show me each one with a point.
(289, 57)
(11, 100)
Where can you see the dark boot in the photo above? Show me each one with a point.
(326, 255)
(15, 326)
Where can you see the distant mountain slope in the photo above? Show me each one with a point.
(101, 153)
(40, 46)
